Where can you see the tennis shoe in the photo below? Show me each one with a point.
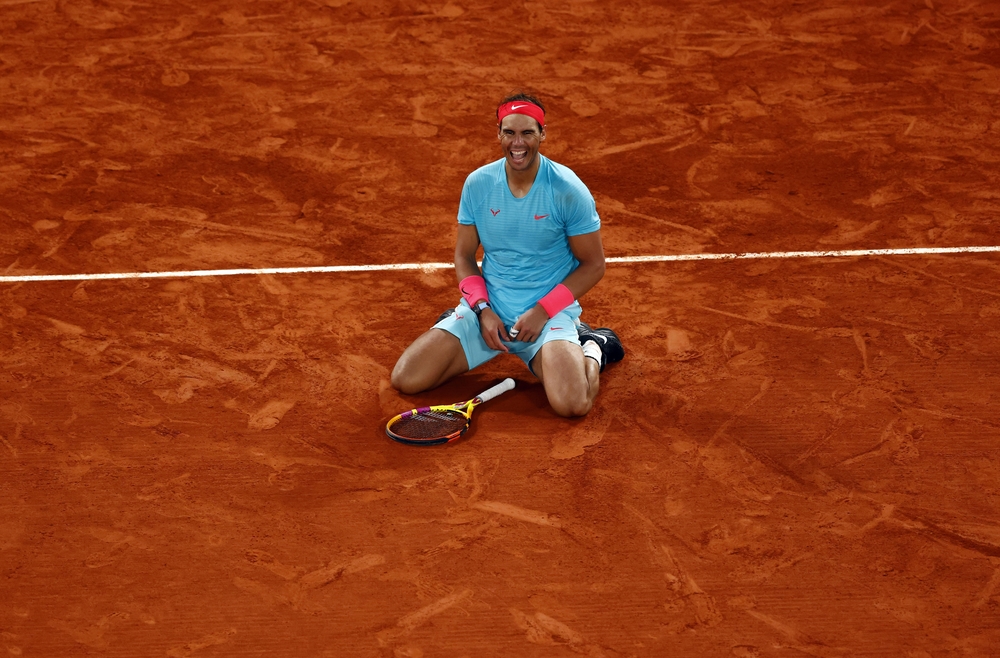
(447, 314)
(611, 347)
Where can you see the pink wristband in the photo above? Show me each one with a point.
(473, 288)
(558, 298)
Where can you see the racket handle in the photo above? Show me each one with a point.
(499, 389)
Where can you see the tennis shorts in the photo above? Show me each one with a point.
(464, 325)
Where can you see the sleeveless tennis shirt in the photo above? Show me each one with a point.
(525, 241)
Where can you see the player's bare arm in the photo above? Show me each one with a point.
(490, 324)
(466, 246)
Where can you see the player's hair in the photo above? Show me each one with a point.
(521, 96)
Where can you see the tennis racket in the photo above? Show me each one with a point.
(429, 426)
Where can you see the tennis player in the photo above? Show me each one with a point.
(542, 251)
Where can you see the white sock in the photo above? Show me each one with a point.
(591, 349)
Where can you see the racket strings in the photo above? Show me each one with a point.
(429, 425)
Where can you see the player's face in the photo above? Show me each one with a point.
(520, 138)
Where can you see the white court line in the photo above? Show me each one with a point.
(327, 269)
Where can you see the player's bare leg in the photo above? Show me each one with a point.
(571, 375)
(571, 380)
(431, 360)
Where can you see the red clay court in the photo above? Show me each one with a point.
(798, 456)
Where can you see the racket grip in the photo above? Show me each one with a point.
(499, 389)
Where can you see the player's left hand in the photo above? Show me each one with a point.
(529, 326)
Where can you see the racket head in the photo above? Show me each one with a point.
(429, 426)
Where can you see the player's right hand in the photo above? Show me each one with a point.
(493, 331)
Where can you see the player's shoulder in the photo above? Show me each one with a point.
(562, 179)
(485, 175)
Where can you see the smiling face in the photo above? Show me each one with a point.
(520, 138)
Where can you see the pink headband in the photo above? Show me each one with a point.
(521, 107)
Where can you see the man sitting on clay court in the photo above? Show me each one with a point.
(542, 251)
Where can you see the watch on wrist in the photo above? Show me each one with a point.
(480, 307)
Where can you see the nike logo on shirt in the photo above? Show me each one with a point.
(540, 216)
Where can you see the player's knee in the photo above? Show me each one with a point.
(403, 381)
(571, 406)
